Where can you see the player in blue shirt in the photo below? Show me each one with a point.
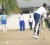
(4, 22)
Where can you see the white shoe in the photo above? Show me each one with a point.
(33, 36)
(37, 37)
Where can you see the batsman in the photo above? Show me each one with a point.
(41, 12)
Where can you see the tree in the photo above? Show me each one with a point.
(10, 6)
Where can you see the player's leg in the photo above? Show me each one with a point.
(38, 30)
(3, 26)
(34, 34)
(36, 21)
(5, 23)
(36, 18)
(30, 25)
(23, 26)
(37, 27)
(20, 25)
(6, 28)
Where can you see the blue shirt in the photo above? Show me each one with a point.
(4, 17)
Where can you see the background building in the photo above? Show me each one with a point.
(28, 6)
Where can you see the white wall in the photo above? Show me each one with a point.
(13, 21)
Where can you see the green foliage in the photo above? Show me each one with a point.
(11, 6)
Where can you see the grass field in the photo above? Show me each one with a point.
(15, 37)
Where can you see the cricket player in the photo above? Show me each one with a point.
(22, 22)
(30, 22)
(37, 17)
(4, 22)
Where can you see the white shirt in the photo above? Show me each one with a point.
(30, 20)
(21, 17)
(42, 11)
